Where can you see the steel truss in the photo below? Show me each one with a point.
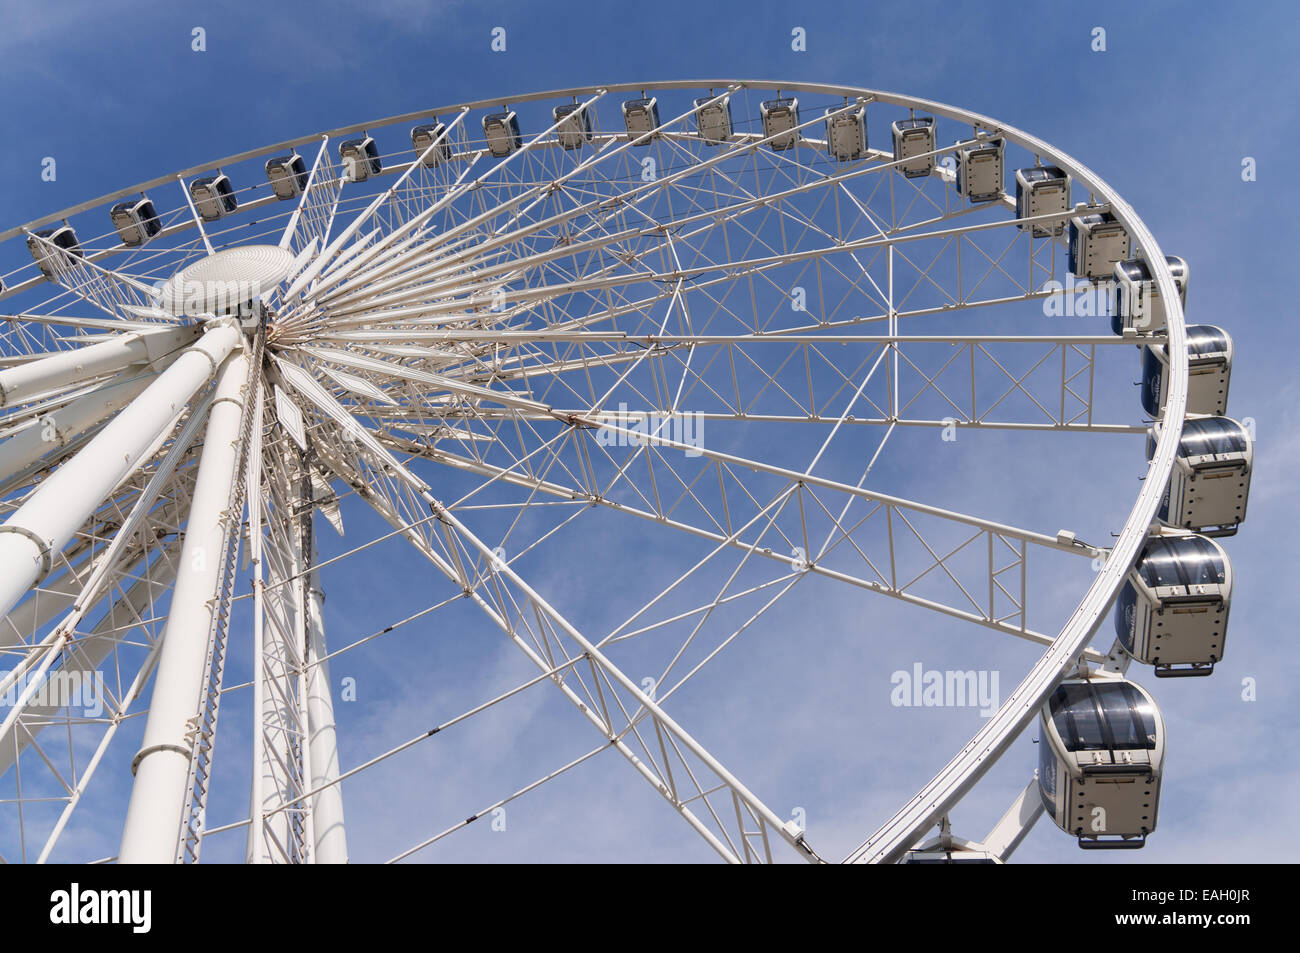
(552, 331)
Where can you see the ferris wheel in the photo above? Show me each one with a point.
(707, 310)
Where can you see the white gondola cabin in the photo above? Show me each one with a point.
(213, 197)
(1210, 483)
(287, 175)
(641, 118)
(51, 247)
(360, 158)
(423, 139)
(502, 133)
(1101, 752)
(713, 119)
(914, 141)
(950, 850)
(1137, 302)
(1097, 242)
(1209, 368)
(1173, 610)
(846, 133)
(980, 171)
(574, 125)
(136, 221)
(780, 119)
(1042, 190)
(941, 856)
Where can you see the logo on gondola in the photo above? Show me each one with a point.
(1047, 772)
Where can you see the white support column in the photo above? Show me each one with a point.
(47, 521)
(55, 429)
(20, 383)
(269, 839)
(305, 829)
(255, 849)
(327, 805)
(161, 767)
(282, 746)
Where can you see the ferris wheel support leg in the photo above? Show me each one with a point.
(161, 767)
(53, 430)
(271, 837)
(43, 525)
(67, 368)
(1017, 822)
(327, 805)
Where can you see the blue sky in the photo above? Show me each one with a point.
(1166, 115)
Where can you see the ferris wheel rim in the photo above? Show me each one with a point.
(1018, 709)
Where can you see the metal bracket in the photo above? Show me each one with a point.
(47, 559)
(140, 755)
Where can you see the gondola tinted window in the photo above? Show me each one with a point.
(1211, 435)
(1206, 339)
(1100, 717)
(1182, 561)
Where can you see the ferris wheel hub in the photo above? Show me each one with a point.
(225, 282)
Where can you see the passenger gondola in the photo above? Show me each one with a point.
(1209, 369)
(914, 144)
(1210, 483)
(573, 127)
(360, 158)
(1100, 758)
(213, 197)
(502, 133)
(1042, 190)
(58, 244)
(287, 175)
(1097, 242)
(780, 119)
(1172, 613)
(641, 116)
(1137, 302)
(713, 119)
(950, 855)
(980, 173)
(846, 133)
(136, 221)
(423, 138)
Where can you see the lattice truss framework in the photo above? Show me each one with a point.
(562, 329)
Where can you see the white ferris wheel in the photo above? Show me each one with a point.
(704, 312)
